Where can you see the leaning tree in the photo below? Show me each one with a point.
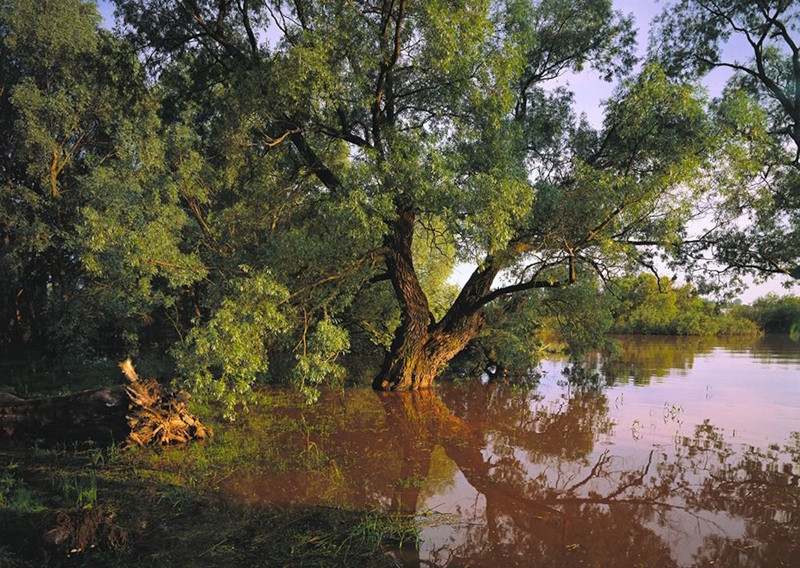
(446, 119)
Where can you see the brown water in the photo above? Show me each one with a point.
(690, 457)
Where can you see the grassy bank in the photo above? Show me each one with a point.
(140, 507)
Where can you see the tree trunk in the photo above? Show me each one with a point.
(415, 360)
(90, 414)
(406, 366)
(422, 347)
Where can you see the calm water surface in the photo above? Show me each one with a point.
(684, 453)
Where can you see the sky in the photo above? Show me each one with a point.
(590, 92)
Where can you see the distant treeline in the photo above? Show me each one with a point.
(774, 314)
(580, 319)
(647, 306)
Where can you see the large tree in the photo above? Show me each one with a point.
(49, 117)
(440, 118)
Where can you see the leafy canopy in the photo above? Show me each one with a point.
(754, 225)
(244, 184)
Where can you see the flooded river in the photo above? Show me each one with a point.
(686, 452)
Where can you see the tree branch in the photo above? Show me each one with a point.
(522, 287)
(315, 165)
(245, 9)
(386, 68)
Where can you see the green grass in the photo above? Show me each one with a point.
(170, 505)
(175, 525)
(79, 491)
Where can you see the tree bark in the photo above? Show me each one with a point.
(89, 414)
(421, 347)
(417, 358)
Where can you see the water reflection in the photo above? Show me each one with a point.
(643, 359)
(500, 476)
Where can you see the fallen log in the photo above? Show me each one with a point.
(141, 412)
(90, 414)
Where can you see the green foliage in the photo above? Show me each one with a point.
(375, 529)
(756, 205)
(232, 198)
(777, 314)
(79, 491)
(91, 229)
(132, 231)
(50, 115)
(580, 315)
(434, 260)
(649, 306)
(222, 357)
(512, 341)
(316, 359)
(584, 314)
(509, 344)
(15, 495)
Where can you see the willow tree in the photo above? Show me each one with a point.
(90, 226)
(756, 44)
(442, 118)
(49, 119)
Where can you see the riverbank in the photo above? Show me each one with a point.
(80, 504)
(570, 469)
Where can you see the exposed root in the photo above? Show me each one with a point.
(141, 411)
(156, 417)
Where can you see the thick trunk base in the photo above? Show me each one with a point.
(415, 361)
(409, 371)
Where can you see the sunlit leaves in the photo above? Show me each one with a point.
(296, 159)
(558, 35)
(498, 207)
(49, 37)
(317, 357)
(646, 305)
(434, 260)
(223, 357)
(454, 32)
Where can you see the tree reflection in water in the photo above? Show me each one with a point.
(546, 499)
(532, 478)
(643, 359)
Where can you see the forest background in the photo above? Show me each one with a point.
(280, 191)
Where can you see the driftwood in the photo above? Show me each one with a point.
(141, 413)
(158, 418)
